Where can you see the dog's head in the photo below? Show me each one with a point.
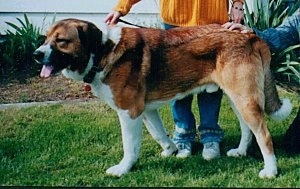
(69, 44)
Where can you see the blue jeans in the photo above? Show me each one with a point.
(209, 107)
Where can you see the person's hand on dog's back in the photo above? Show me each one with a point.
(236, 26)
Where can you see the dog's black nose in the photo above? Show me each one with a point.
(38, 55)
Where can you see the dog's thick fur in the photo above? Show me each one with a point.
(137, 70)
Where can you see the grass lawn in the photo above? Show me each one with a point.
(74, 144)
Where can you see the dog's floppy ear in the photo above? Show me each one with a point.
(91, 37)
(94, 38)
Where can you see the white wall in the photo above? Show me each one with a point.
(42, 12)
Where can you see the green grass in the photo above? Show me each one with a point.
(73, 145)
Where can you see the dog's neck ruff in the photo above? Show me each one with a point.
(67, 72)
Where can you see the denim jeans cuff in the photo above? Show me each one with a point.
(186, 136)
(211, 136)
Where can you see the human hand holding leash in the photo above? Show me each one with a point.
(112, 18)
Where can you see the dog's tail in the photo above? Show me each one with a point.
(278, 109)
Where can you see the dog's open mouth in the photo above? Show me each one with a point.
(46, 71)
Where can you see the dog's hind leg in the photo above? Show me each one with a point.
(246, 136)
(251, 112)
(156, 128)
(131, 138)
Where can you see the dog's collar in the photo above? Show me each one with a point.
(105, 62)
(89, 77)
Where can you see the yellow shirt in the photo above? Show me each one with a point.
(186, 12)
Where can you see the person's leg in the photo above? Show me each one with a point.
(210, 132)
(184, 133)
(185, 127)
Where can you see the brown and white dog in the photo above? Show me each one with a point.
(137, 70)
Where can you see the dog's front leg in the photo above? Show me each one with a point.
(131, 137)
(156, 128)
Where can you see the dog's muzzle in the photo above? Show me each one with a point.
(42, 54)
(38, 56)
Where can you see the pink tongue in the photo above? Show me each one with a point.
(46, 71)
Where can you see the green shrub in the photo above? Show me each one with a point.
(285, 64)
(16, 51)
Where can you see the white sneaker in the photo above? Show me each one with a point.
(184, 149)
(211, 150)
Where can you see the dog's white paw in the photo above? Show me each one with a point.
(118, 170)
(268, 173)
(236, 153)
